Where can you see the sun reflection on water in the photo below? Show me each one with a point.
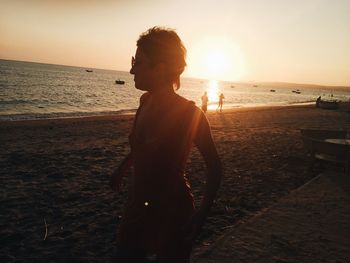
(213, 93)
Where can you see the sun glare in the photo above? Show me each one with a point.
(218, 58)
(213, 91)
(216, 61)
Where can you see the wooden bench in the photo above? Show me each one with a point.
(326, 152)
(315, 134)
(323, 134)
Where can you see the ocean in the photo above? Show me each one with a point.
(42, 91)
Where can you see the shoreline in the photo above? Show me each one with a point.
(131, 112)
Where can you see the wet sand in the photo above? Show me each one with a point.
(55, 200)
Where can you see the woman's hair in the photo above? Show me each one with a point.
(163, 45)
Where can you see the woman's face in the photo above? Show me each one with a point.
(144, 73)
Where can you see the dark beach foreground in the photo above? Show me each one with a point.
(56, 204)
(311, 224)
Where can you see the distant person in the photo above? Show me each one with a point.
(221, 102)
(204, 102)
(318, 100)
(160, 219)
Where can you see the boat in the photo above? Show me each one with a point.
(326, 104)
(296, 91)
(89, 70)
(272, 90)
(120, 82)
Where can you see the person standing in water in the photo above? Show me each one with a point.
(160, 218)
(318, 100)
(221, 102)
(204, 102)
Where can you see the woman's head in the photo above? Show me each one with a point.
(163, 45)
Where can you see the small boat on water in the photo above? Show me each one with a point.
(89, 70)
(272, 90)
(296, 91)
(120, 82)
(325, 104)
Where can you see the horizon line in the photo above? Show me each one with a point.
(232, 81)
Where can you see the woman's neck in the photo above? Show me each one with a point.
(162, 90)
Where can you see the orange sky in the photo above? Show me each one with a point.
(272, 40)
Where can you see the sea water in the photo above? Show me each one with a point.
(41, 91)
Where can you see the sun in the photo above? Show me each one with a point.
(217, 58)
(216, 61)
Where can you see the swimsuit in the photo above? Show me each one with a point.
(160, 199)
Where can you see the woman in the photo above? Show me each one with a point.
(160, 218)
(221, 102)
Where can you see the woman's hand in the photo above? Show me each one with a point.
(115, 181)
(118, 174)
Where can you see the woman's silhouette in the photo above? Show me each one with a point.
(160, 218)
(221, 102)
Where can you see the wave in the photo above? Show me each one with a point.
(15, 102)
(62, 115)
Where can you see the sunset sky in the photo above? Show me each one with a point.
(304, 41)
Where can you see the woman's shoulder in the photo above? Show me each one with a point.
(189, 108)
(144, 97)
(187, 103)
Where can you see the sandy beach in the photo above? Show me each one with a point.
(311, 224)
(56, 204)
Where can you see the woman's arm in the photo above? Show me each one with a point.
(205, 145)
